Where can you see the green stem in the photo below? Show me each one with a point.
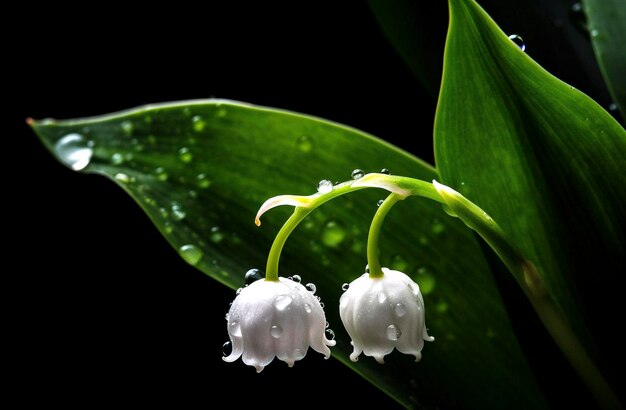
(271, 271)
(372, 240)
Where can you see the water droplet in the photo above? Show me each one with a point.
(311, 287)
(191, 254)
(400, 309)
(178, 212)
(437, 227)
(384, 171)
(333, 234)
(345, 286)
(221, 112)
(276, 331)
(203, 181)
(216, 235)
(367, 268)
(117, 158)
(324, 186)
(380, 202)
(393, 332)
(357, 174)
(252, 276)
(192, 194)
(595, 33)
(399, 263)
(426, 280)
(282, 302)
(330, 334)
(73, 151)
(160, 173)
(304, 143)
(322, 305)
(578, 16)
(235, 329)
(227, 348)
(127, 127)
(296, 278)
(123, 178)
(198, 123)
(307, 307)
(184, 154)
(519, 41)
(238, 291)
(381, 297)
(227, 316)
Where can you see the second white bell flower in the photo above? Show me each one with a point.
(384, 313)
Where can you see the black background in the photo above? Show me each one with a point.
(100, 308)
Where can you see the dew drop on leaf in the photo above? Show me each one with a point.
(73, 151)
(519, 41)
(191, 254)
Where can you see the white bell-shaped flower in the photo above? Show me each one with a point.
(382, 313)
(276, 319)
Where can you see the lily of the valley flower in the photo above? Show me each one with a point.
(382, 313)
(276, 319)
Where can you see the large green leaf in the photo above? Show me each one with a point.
(544, 160)
(607, 26)
(201, 169)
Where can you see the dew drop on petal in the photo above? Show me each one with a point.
(324, 186)
(226, 316)
(252, 276)
(400, 309)
(307, 307)
(73, 151)
(330, 334)
(519, 41)
(393, 332)
(235, 329)
(311, 287)
(276, 331)
(282, 302)
(238, 291)
(227, 348)
(296, 278)
(357, 174)
(381, 297)
(191, 254)
(345, 286)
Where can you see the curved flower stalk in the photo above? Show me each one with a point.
(276, 319)
(382, 313)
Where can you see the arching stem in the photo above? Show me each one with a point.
(373, 260)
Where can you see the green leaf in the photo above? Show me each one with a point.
(607, 26)
(545, 161)
(201, 169)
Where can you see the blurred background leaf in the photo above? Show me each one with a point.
(607, 26)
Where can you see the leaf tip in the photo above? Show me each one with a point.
(293, 200)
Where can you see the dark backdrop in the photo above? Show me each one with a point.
(100, 308)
